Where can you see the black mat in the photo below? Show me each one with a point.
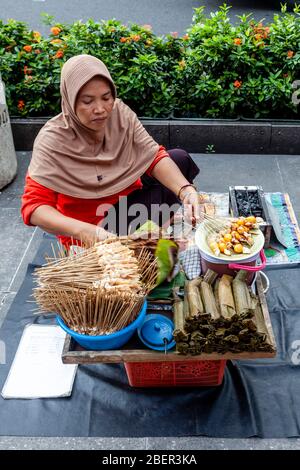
(257, 398)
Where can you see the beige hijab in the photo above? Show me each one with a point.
(72, 159)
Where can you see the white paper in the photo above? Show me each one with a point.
(37, 370)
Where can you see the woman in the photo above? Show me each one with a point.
(93, 155)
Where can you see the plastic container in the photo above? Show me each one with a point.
(175, 374)
(223, 267)
(103, 342)
(156, 332)
(223, 264)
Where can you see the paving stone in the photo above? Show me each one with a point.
(164, 16)
(10, 196)
(209, 443)
(15, 237)
(290, 173)
(6, 299)
(28, 256)
(219, 171)
(71, 443)
(161, 443)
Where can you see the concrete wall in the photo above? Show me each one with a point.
(249, 137)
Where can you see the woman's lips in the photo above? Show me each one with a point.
(98, 119)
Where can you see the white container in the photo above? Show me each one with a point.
(224, 264)
(8, 159)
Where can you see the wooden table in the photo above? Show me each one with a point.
(135, 351)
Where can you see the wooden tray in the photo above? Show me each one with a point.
(135, 351)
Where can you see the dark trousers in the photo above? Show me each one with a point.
(152, 195)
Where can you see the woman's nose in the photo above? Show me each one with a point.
(99, 108)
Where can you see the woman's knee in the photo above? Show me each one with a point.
(179, 156)
(184, 162)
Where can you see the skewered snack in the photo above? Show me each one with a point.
(235, 238)
(98, 291)
(119, 267)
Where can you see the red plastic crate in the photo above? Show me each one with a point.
(175, 374)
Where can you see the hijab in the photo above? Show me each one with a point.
(74, 160)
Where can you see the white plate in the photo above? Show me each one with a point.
(201, 242)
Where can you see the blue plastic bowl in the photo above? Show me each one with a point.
(111, 341)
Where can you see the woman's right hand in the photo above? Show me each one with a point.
(90, 234)
(52, 221)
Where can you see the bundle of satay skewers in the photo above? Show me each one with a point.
(220, 315)
(101, 289)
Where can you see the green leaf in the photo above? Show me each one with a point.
(166, 254)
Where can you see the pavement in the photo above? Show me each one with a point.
(164, 15)
(19, 244)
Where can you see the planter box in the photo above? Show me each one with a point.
(26, 130)
(235, 137)
(227, 137)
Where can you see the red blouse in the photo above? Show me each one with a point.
(36, 195)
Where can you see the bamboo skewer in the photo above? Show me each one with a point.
(99, 290)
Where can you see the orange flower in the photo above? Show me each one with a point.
(136, 37)
(27, 48)
(27, 71)
(185, 37)
(21, 105)
(181, 64)
(259, 28)
(290, 54)
(59, 54)
(37, 51)
(56, 41)
(55, 30)
(258, 37)
(237, 84)
(37, 35)
(123, 39)
(237, 41)
(28, 78)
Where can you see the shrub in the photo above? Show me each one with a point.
(216, 69)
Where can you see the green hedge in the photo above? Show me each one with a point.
(216, 70)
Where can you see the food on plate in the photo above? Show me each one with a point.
(237, 237)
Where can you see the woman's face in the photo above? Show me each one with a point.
(94, 103)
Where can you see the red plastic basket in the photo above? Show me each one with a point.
(175, 374)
